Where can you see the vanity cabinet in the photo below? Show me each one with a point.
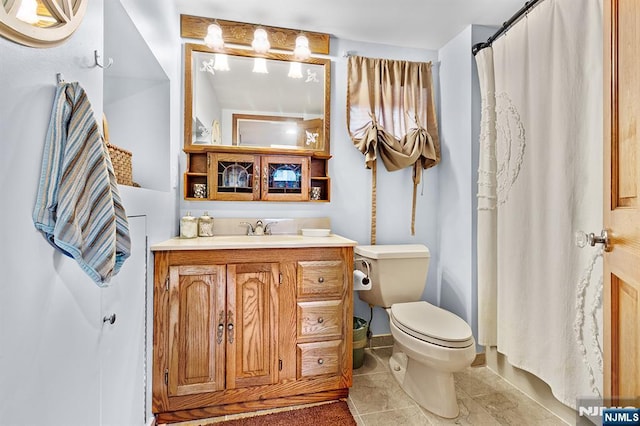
(255, 177)
(238, 330)
(237, 305)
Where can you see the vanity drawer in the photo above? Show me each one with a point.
(320, 278)
(322, 319)
(320, 358)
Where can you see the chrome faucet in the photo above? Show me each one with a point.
(259, 229)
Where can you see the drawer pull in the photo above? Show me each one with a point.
(320, 320)
(320, 361)
(321, 280)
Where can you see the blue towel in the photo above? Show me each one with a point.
(78, 207)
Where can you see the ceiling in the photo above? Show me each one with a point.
(425, 24)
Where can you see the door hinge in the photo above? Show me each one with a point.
(166, 283)
(166, 376)
(279, 365)
(280, 278)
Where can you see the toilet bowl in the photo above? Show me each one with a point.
(430, 343)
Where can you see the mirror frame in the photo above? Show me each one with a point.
(188, 102)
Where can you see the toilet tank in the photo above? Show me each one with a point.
(398, 272)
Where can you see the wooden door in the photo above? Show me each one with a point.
(311, 134)
(622, 200)
(196, 341)
(252, 324)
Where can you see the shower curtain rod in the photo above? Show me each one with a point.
(505, 26)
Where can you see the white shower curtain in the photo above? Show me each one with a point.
(540, 181)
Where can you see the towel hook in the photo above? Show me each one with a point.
(60, 78)
(103, 66)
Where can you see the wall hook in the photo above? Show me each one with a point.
(60, 78)
(103, 66)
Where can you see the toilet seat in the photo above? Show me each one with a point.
(432, 324)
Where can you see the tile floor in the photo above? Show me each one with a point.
(484, 399)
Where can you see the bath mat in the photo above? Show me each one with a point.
(333, 413)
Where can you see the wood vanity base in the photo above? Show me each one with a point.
(246, 407)
(240, 330)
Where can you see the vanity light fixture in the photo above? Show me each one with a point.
(260, 66)
(260, 41)
(222, 62)
(295, 70)
(302, 52)
(214, 38)
(28, 11)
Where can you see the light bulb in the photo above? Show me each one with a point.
(28, 11)
(302, 52)
(260, 42)
(214, 38)
(295, 70)
(222, 62)
(260, 66)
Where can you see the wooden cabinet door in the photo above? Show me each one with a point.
(285, 178)
(234, 177)
(196, 360)
(252, 324)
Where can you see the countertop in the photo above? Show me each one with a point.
(251, 242)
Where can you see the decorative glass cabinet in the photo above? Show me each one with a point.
(255, 177)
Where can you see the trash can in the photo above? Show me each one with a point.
(360, 329)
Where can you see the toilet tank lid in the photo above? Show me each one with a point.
(384, 251)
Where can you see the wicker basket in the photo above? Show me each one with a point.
(120, 158)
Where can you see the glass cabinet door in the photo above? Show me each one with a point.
(285, 178)
(235, 177)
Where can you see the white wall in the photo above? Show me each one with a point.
(51, 331)
(457, 211)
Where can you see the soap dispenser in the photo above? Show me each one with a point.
(188, 226)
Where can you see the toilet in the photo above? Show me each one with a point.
(430, 343)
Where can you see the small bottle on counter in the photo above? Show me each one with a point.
(188, 226)
(205, 225)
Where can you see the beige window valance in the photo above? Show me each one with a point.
(391, 113)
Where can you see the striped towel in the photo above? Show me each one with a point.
(78, 207)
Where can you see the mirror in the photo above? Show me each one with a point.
(261, 103)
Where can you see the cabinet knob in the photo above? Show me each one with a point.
(321, 280)
(320, 320)
(320, 361)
